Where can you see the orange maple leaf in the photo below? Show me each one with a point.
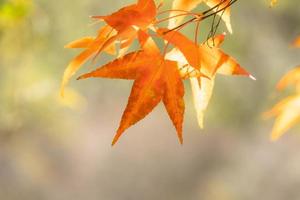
(207, 58)
(155, 79)
(158, 76)
(128, 21)
(204, 57)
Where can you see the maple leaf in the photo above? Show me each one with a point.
(141, 14)
(158, 77)
(180, 6)
(206, 58)
(287, 111)
(155, 79)
(128, 21)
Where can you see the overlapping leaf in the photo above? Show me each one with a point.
(158, 76)
(123, 26)
(182, 6)
(128, 21)
(206, 58)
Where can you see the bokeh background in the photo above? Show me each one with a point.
(58, 149)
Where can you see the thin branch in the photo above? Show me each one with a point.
(201, 17)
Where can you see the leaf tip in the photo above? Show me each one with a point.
(114, 141)
(84, 76)
(80, 78)
(62, 90)
(181, 141)
(200, 119)
(229, 28)
(252, 77)
(117, 136)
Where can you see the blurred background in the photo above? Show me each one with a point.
(58, 149)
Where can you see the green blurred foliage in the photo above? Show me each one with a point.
(13, 12)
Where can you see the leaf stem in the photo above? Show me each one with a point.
(203, 16)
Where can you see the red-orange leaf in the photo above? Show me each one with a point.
(128, 21)
(155, 79)
(141, 15)
(188, 48)
(204, 57)
(173, 96)
(146, 93)
(125, 67)
(202, 89)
